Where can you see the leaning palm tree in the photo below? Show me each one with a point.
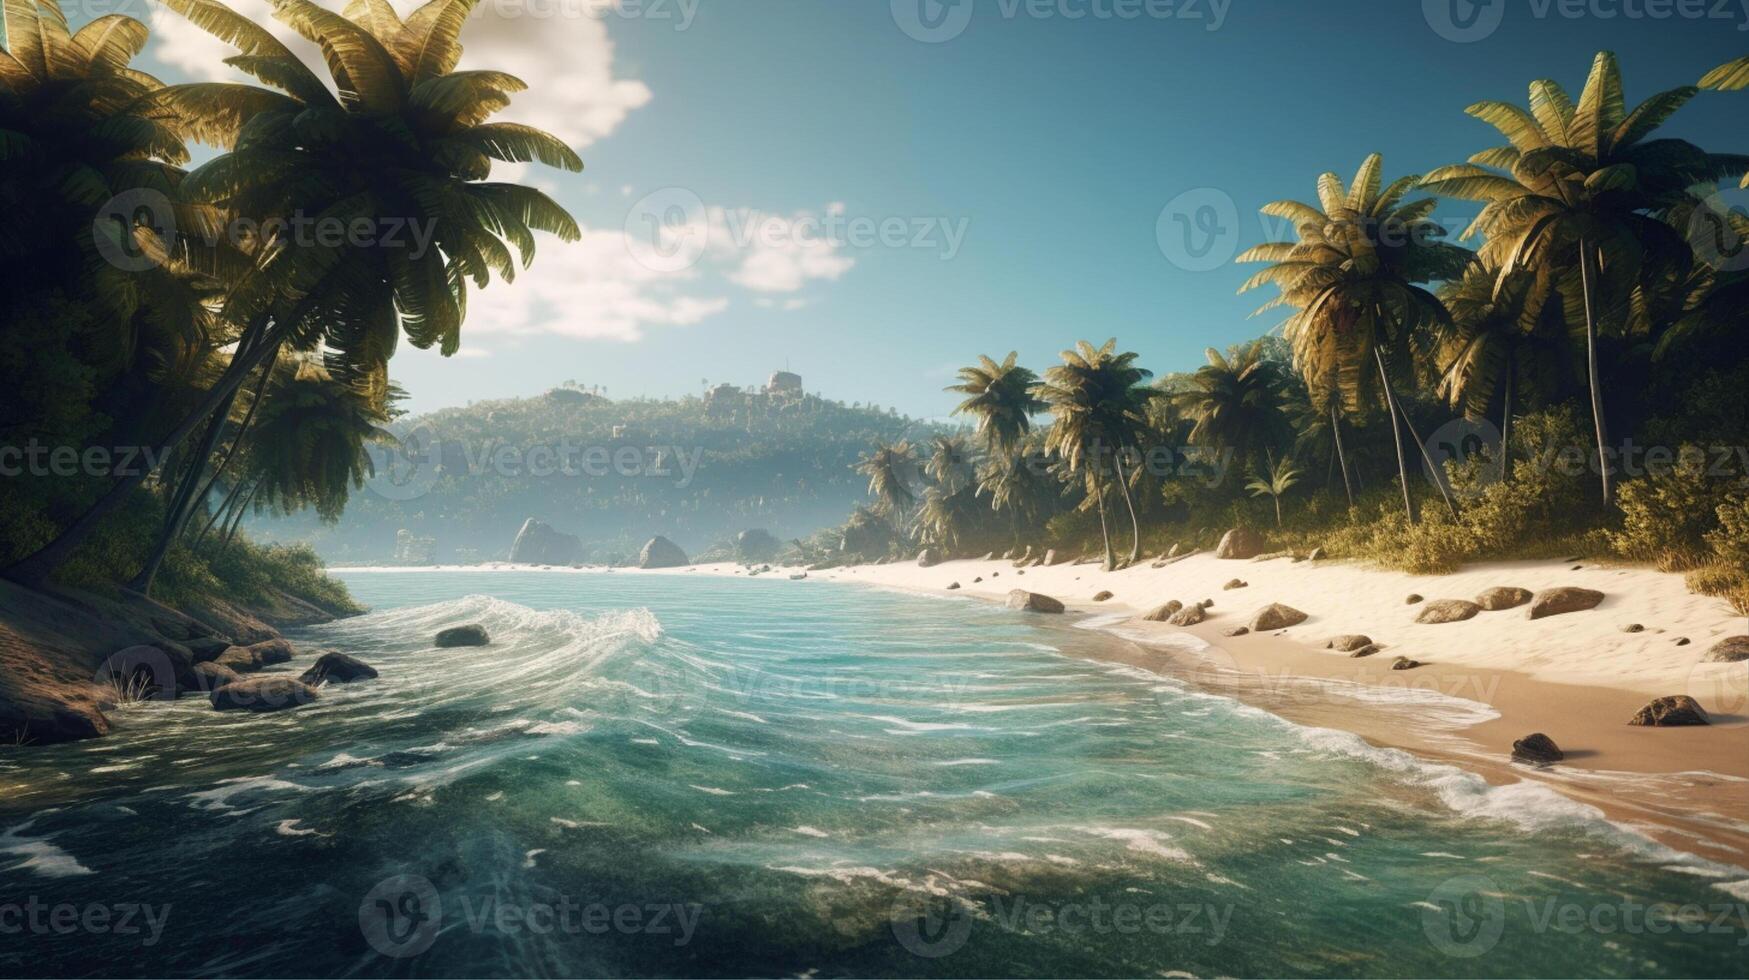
(1001, 397)
(1355, 277)
(1274, 482)
(1582, 200)
(891, 469)
(310, 444)
(1099, 400)
(405, 144)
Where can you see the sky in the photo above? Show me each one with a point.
(873, 192)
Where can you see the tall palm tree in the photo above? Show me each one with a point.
(405, 144)
(1018, 485)
(1001, 397)
(1099, 400)
(1235, 402)
(1355, 277)
(1582, 199)
(891, 469)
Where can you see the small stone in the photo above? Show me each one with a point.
(978, 579)
(952, 586)
(1236, 631)
(1188, 616)
(1633, 628)
(1404, 663)
(1448, 611)
(1538, 749)
(471, 635)
(1668, 712)
(1276, 616)
(1413, 599)
(338, 667)
(1683, 641)
(1234, 584)
(1348, 642)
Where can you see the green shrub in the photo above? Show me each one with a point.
(1667, 514)
(1729, 582)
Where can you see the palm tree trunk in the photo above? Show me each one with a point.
(1342, 457)
(237, 437)
(181, 500)
(1104, 531)
(237, 519)
(1397, 434)
(1588, 276)
(35, 568)
(220, 516)
(1277, 498)
(1506, 419)
(1135, 526)
(1438, 473)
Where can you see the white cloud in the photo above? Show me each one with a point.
(778, 253)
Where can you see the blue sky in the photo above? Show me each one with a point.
(1052, 143)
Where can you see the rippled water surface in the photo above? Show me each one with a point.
(678, 775)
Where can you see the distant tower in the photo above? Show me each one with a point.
(784, 383)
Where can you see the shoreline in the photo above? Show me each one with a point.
(1484, 682)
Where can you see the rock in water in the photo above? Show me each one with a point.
(1033, 602)
(1729, 650)
(1667, 712)
(1102, 595)
(471, 635)
(244, 660)
(756, 544)
(209, 677)
(1503, 597)
(1276, 616)
(539, 544)
(1538, 749)
(928, 558)
(1566, 599)
(659, 552)
(1348, 642)
(1163, 613)
(338, 667)
(1240, 542)
(1448, 611)
(275, 693)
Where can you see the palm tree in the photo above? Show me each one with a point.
(405, 144)
(1584, 196)
(1277, 480)
(1099, 400)
(1355, 277)
(1017, 485)
(1235, 402)
(891, 469)
(309, 448)
(1500, 343)
(950, 464)
(1001, 396)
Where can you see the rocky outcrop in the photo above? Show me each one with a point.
(1447, 611)
(659, 552)
(1239, 543)
(1348, 642)
(1537, 749)
(540, 544)
(757, 544)
(1189, 615)
(928, 558)
(1730, 650)
(209, 677)
(1163, 612)
(275, 692)
(1102, 595)
(1276, 616)
(1033, 602)
(1669, 712)
(471, 635)
(1503, 597)
(1566, 599)
(251, 658)
(338, 667)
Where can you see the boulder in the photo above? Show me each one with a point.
(1240, 542)
(951, 586)
(271, 693)
(209, 677)
(1503, 597)
(1102, 595)
(1189, 616)
(1162, 613)
(251, 658)
(1413, 598)
(1365, 651)
(1236, 631)
(1276, 616)
(928, 558)
(471, 635)
(659, 552)
(1348, 642)
(338, 667)
(1033, 602)
(1538, 749)
(1566, 599)
(1633, 628)
(1235, 584)
(1666, 712)
(1730, 650)
(1448, 611)
(1404, 663)
(540, 544)
(206, 649)
(756, 544)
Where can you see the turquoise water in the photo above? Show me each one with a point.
(680, 775)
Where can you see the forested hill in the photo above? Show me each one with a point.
(613, 473)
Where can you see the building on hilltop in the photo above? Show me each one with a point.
(784, 383)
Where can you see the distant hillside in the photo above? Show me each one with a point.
(612, 473)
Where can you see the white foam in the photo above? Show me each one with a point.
(39, 855)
